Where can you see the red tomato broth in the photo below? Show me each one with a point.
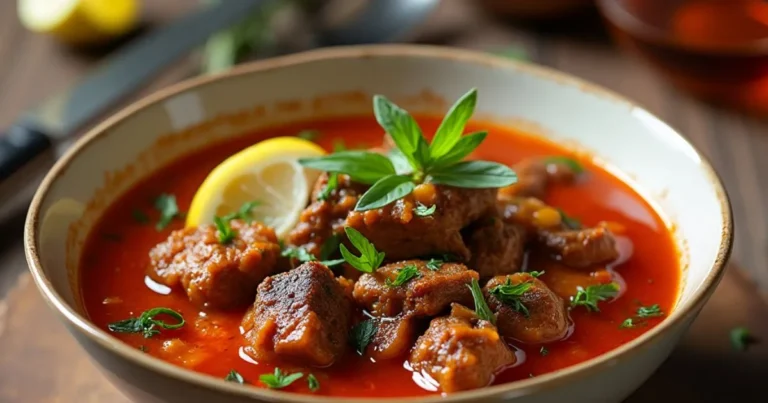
(116, 256)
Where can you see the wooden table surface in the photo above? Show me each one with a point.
(40, 363)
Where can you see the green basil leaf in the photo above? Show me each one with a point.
(404, 130)
(401, 164)
(385, 191)
(463, 148)
(362, 166)
(452, 126)
(475, 175)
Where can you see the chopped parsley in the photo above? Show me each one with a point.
(303, 256)
(424, 211)
(234, 376)
(404, 275)
(278, 379)
(741, 338)
(244, 212)
(313, 383)
(369, 260)
(649, 311)
(434, 264)
(536, 274)
(481, 307)
(590, 296)
(510, 294)
(333, 183)
(140, 216)
(225, 231)
(146, 324)
(627, 324)
(543, 351)
(362, 334)
(169, 210)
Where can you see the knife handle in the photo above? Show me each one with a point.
(19, 145)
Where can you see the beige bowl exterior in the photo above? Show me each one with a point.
(153, 132)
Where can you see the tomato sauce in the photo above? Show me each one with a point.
(114, 286)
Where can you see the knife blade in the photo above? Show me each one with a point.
(62, 114)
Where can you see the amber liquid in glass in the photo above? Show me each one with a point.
(715, 49)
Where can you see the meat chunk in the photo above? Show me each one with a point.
(301, 315)
(564, 240)
(216, 275)
(429, 294)
(497, 246)
(393, 337)
(580, 248)
(534, 175)
(400, 233)
(531, 313)
(461, 351)
(325, 217)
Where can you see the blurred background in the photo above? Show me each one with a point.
(701, 65)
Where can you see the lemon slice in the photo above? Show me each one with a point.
(79, 22)
(269, 173)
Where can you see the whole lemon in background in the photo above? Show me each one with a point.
(80, 22)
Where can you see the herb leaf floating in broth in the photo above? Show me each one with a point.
(278, 379)
(590, 296)
(370, 259)
(649, 311)
(313, 383)
(362, 334)
(510, 295)
(146, 324)
(169, 210)
(234, 376)
(627, 324)
(415, 161)
(481, 307)
(404, 275)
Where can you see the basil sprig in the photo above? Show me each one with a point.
(415, 161)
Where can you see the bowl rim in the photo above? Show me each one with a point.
(479, 59)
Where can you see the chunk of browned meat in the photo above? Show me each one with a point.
(393, 337)
(534, 175)
(429, 294)
(497, 246)
(216, 275)
(575, 246)
(400, 233)
(580, 248)
(324, 218)
(537, 315)
(301, 315)
(461, 352)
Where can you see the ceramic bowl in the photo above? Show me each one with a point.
(627, 139)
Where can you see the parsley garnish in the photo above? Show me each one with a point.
(244, 212)
(226, 233)
(140, 216)
(434, 264)
(649, 311)
(424, 211)
(303, 256)
(234, 376)
(481, 307)
(370, 259)
(510, 295)
(333, 182)
(571, 163)
(568, 221)
(146, 324)
(404, 275)
(310, 135)
(536, 274)
(590, 296)
(279, 380)
(628, 323)
(313, 383)
(741, 338)
(362, 334)
(416, 161)
(166, 205)
(543, 351)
